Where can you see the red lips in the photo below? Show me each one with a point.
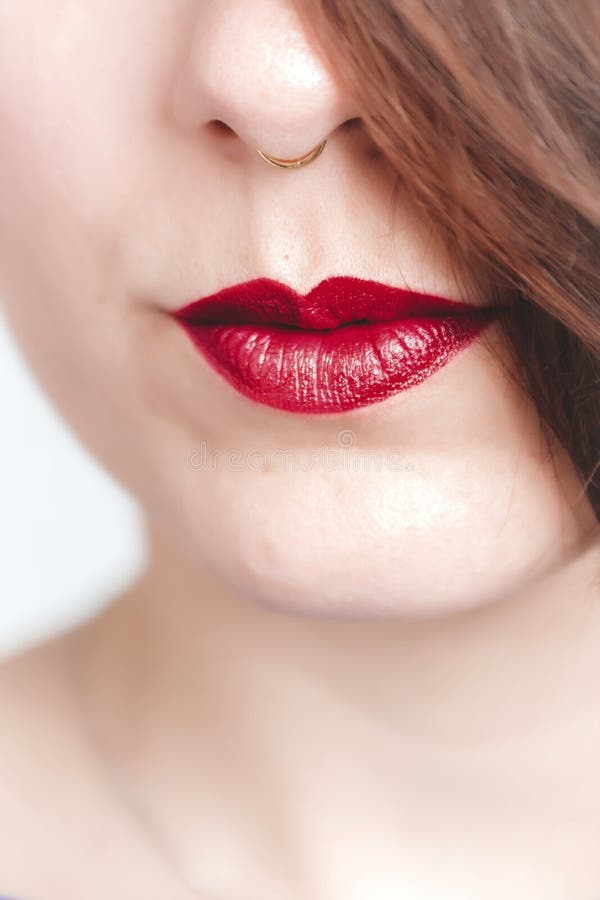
(347, 343)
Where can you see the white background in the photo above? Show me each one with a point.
(70, 537)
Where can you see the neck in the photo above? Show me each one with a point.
(337, 714)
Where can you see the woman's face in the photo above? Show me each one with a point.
(122, 201)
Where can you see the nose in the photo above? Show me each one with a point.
(252, 67)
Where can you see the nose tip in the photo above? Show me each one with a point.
(252, 67)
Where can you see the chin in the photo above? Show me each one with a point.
(372, 546)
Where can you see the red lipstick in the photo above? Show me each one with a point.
(347, 343)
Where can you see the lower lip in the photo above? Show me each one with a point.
(348, 367)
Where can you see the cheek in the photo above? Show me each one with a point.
(79, 82)
(77, 90)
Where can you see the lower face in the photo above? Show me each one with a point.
(428, 492)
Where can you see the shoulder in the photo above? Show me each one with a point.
(26, 707)
(32, 697)
(37, 750)
(34, 691)
(60, 821)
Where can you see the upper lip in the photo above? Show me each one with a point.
(333, 302)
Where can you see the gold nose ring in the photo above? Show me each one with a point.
(294, 163)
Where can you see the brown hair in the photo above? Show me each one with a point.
(489, 114)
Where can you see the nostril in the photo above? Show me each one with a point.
(356, 128)
(221, 127)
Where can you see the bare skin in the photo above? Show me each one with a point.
(263, 755)
(327, 685)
